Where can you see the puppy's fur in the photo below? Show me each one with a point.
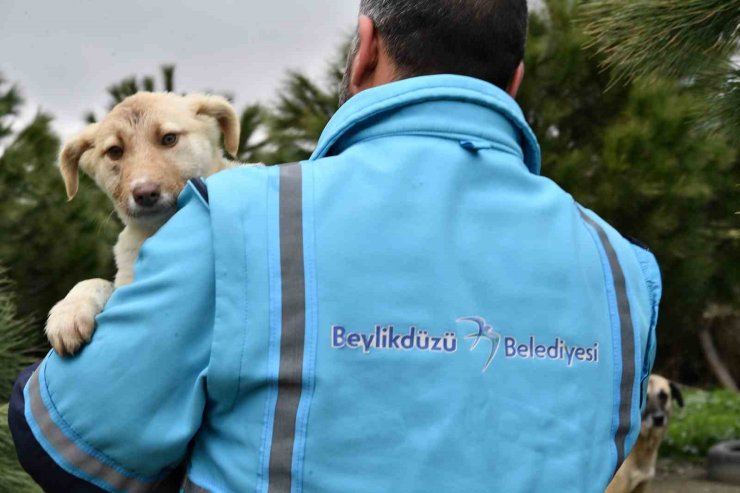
(638, 469)
(141, 155)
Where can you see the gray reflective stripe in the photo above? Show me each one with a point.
(292, 331)
(626, 387)
(72, 453)
(191, 487)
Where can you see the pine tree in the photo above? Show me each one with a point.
(692, 40)
(304, 107)
(17, 345)
(252, 142)
(49, 244)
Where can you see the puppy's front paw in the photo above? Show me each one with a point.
(70, 325)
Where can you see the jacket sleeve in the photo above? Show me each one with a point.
(653, 280)
(121, 414)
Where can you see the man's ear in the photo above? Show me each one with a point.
(220, 109)
(516, 81)
(366, 58)
(676, 394)
(69, 158)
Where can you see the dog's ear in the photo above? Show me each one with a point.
(220, 109)
(676, 394)
(69, 158)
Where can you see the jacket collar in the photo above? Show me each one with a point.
(451, 105)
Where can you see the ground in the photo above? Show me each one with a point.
(686, 478)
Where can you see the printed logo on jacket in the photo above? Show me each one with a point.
(390, 338)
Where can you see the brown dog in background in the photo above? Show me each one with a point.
(638, 469)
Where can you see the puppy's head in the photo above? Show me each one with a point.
(144, 151)
(661, 396)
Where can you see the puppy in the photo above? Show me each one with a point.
(638, 469)
(141, 155)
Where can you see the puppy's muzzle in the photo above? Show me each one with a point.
(147, 194)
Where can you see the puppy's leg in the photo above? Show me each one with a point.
(72, 321)
(126, 252)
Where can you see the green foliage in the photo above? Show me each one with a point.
(296, 121)
(564, 97)
(707, 419)
(690, 39)
(17, 344)
(48, 244)
(664, 36)
(251, 146)
(9, 103)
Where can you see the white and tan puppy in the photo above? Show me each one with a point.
(141, 155)
(638, 469)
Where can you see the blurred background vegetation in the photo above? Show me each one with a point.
(709, 417)
(636, 108)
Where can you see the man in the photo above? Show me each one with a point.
(414, 309)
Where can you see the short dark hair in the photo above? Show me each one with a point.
(484, 39)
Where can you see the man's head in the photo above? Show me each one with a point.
(398, 39)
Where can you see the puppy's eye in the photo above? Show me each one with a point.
(115, 153)
(663, 397)
(169, 140)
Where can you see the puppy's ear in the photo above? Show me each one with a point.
(220, 109)
(676, 394)
(69, 158)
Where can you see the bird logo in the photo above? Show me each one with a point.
(485, 331)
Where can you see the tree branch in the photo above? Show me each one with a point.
(714, 360)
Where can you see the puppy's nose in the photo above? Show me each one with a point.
(659, 420)
(146, 194)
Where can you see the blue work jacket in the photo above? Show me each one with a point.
(413, 309)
